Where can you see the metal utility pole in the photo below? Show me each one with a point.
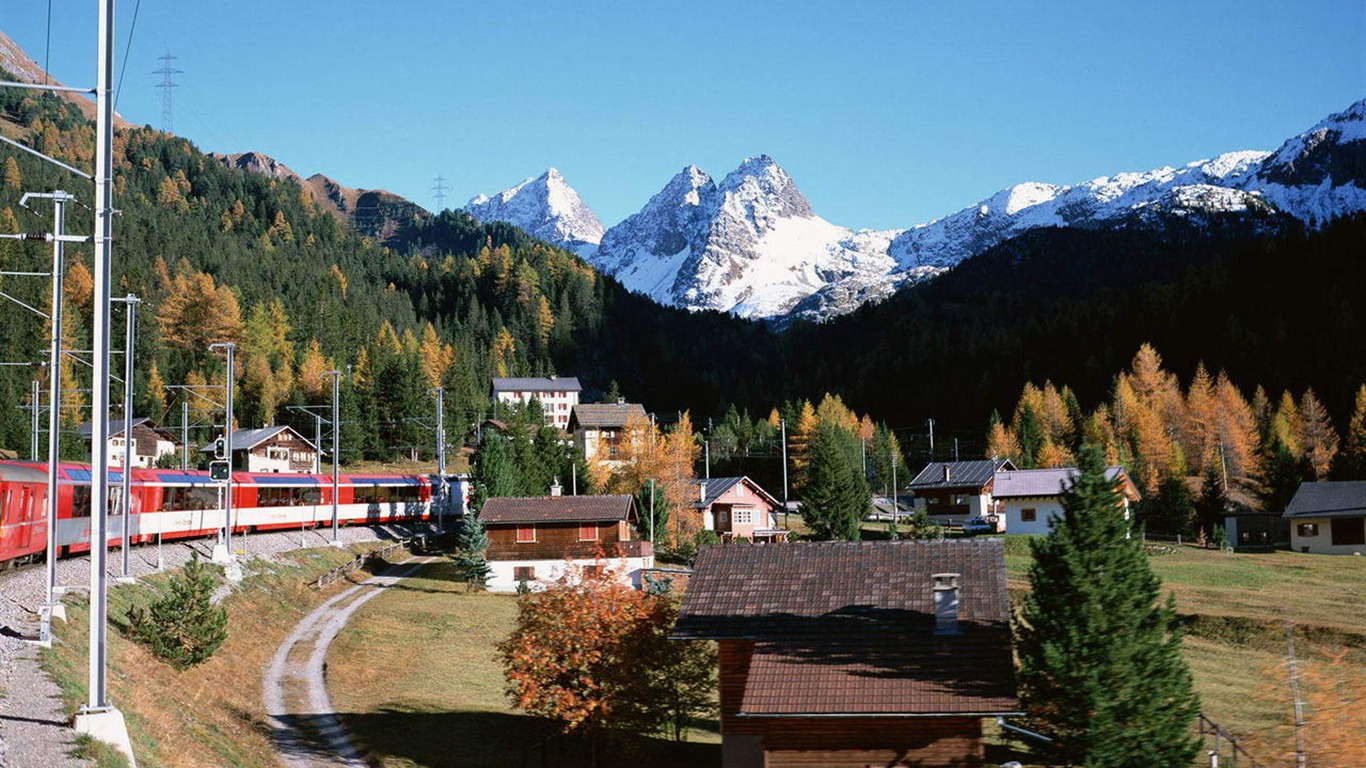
(955, 449)
(167, 124)
(184, 435)
(34, 396)
(336, 446)
(782, 425)
(706, 450)
(98, 699)
(931, 439)
(54, 382)
(441, 455)
(652, 510)
(896, 507)
(130, 303)
(231, 349)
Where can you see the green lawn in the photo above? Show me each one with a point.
(416, 674)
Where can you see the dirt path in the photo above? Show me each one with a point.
(294, 685)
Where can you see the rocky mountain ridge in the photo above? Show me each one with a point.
(751, 245)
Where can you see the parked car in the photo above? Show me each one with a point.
(979, 524)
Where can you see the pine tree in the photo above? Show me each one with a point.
(1100, 658)
(836, 496)
(183, 626)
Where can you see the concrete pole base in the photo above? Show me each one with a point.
(221, 554)
(125, 580)
(107, 725)
(336, 544)
(56, 611)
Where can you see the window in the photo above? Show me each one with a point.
(588, 532)
(276, 453)
(591, 571)
(1307, 529)
(742, 516)
(1349, 530)
(526, 534)
(1028, 515)
(524, 573)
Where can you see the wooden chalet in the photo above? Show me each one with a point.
(854, 654)
(598, 427)
(271, 449)
(151, 441)
(952, 491)
(535, 539)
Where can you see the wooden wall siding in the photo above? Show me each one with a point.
(859, 742)
(554, 541)
(144, 442)
(733, 660)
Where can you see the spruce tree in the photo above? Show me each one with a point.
(836, 496)
(1210, 507)
(1100, 658)
(183, 626)
(471, 542)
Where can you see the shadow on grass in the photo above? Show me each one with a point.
(496, 740)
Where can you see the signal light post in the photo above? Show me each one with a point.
(225, 554)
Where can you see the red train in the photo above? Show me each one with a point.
(182, 504)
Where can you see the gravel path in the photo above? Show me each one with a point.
(294, 685)
(34, 726)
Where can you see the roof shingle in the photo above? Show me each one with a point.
(556, 509)
(848, 627)
(605, 414)
(1343, 498)
(959, 474)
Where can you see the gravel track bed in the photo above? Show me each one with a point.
(34, 728)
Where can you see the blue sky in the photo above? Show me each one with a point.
(887, 114)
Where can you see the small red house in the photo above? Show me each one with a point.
(855, 654)
(536, 539)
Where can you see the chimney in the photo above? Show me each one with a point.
(948, 473)
(701, 491)
(944, 590)
(556, 489)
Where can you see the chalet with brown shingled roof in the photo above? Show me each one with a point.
(851, 654)
(539, 539)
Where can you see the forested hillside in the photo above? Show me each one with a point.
(218, 253)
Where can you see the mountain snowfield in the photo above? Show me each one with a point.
(547, 208)
(752, 246)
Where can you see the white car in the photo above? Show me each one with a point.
(979, 524)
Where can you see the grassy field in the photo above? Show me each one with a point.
(417, 676)
(209, 715)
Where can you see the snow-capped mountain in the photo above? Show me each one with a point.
(750, 245)
(547, 208)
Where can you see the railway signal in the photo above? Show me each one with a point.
(220, 471)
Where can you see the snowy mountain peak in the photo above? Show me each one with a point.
(760, 191)
(546, 207)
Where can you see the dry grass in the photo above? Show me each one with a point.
(210, 715)
(417, 674)
(1237, 607)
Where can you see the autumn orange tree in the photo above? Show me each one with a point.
(593, 655)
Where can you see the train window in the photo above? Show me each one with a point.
(80, 501)
(188, 499)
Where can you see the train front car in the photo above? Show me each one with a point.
(23, 512)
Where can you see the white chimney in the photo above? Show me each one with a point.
(948, 473)
(701, 491)
(555, 488)
(944, 590)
